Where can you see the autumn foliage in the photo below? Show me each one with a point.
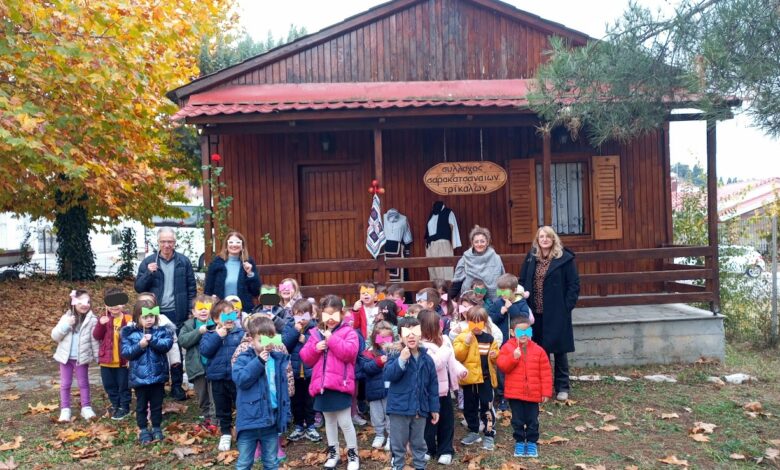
(82, 100)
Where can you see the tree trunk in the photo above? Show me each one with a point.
(75, 259)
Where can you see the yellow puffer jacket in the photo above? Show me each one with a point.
(468, 355)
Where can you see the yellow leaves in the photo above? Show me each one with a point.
(41, 408)
(28, 123)
(673, 460)
(7, 359)
(14, 444)
(70, 435)
(10, 397)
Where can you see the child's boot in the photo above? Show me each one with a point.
(157, 434)
(353, 463)
(532, 450)
(145, 438)
(520, 449)
(64, 415)
(333, 458)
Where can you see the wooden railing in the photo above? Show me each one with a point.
(671, 292)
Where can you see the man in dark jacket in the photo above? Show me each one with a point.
(169, 276)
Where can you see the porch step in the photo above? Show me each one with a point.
(646, 334)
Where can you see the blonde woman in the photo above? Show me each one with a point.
(549, 273)
(233, 272)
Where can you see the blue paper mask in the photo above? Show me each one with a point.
(524, 332)
(225, 317)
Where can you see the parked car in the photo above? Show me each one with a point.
(189, 234)
(735, 259)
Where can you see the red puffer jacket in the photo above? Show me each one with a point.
(528, 378)
(105, 335)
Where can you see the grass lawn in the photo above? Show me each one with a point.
(607, 424)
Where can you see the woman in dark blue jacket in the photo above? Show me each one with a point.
(233, 272)
(145, 344)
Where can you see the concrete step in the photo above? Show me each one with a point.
(646, 334)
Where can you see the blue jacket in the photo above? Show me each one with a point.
(290, 338)
(502, 321)
(281, 316)
(253, 403)
(414, 389)
(219, 352)
(247, 287)
(147, 365)
(372, 371)
(184, 287)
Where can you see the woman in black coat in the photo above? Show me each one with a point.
(549, 274)
(233, 272)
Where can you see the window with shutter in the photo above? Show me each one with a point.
(607, 198)
(522, 200)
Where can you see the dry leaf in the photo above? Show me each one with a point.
(772, 454)
(553, 440)
(70, 435)
(475, 462)
(699, 437)
(673, 460)
(15, 444)
(41, 408)
(85, 453)
(573, 417)
(608, 418)
(173, 407)
(9, 464)
(631, 467)
(701, 427)
(9, 397)
(736, 456)
(314, 458)
(580, 428)
(649, 410)
(7, 359)
(609, 428)
(583, 466)
(512, 466)
(102, 432)
(669, 415)
(753, 406)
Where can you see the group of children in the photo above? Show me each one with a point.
(296, 361)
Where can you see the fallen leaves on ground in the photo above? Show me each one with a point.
(310, 459)
(700, 427)
(736, 456)
(583, 466)
(7, 359)
(173, 407)
(377, 455)
(230, 456)
(609, 428)
(85, 453)
(754, 406)
(103, 432)
(10, 397)
(71, 435)
(41, 408)
(553, 440)
(15, 444)
(673, 460)
(699, 437)
(608, 418)
(512, 466)
(182, 452)
(8, 464)
(669, 415)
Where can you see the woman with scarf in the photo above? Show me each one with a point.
(478, 262)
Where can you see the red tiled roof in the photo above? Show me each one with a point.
(266, 99)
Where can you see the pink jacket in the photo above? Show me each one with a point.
(334, 368)
(448, 369)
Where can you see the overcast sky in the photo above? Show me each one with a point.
(742, 151)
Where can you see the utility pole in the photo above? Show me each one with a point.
(773, 333)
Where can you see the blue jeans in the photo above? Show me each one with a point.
(246, 442)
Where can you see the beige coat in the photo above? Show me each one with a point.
(89, 347)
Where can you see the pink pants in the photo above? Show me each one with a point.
(66, 380)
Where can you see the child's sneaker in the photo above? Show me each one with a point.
(64, 415)
(471, 438)
(297, 434)
(358, 420)
(312, 434)
(532, 450)
(387, 443)
(520, 449)
(87, 413)
(445, 459)
(157, 434)
(120, 414)
(488, 443)
(353, 463)
(145, 438)
(379, 442)
(333, 458)
(224, 443)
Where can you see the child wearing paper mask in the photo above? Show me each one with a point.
(189, 338)
(371, 364)
(218, 346)
(467, 301)
(262, 395)
(365, 309)
(295, 336)
(397, 294)
(412, 369)
(528, 382)
(430, 299)
(113, 367)
(76, 348)
(289, 292)
(477, 349)
(331, 352)
(269, 306)
(174, 355)
(480, 290)
(145, 344)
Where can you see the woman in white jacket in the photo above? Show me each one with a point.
(76, 348)
(439, 436)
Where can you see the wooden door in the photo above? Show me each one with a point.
(333, 204)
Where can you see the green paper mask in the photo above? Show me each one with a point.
(503, 292)
(268, 341)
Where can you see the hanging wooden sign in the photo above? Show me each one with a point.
(463, 178)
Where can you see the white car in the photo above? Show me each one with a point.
(734, 259)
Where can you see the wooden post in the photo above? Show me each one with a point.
(546, 170)
(205, 175)
(712, 217)
(380, 275)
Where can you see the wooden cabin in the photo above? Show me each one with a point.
(389, 93)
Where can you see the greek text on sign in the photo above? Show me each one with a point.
(460, 178)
